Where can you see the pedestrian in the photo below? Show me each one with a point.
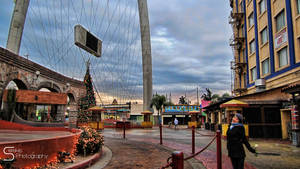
(235, 139)
(175, 122)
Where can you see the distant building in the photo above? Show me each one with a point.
(266, 65)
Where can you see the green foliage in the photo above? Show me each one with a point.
(90, 97)
(182, 100)
(84, 116)
(89, 142)
(158, 101)
(215, 97)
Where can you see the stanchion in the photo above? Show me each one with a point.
(160, 133)
(193, 139)
(177, 160)
(124, 130)
(219, 150)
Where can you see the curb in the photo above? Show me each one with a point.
(86, 163)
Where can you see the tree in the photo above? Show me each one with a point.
(158, 101)
(215, 97)
(225, 95)
(182, 100)
(207, 96)
(90, 97)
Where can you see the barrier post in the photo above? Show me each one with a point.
(177, 160)
(160, 133)
(124, 130)
(219, 150)
(193, 139)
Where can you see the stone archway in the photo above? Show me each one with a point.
(50, 86)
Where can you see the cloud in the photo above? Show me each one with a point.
(189, 43)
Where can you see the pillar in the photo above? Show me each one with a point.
(220, 117)
(146, 53)
(227, 112)
(212, 117)
(17, 26)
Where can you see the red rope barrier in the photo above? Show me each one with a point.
(208, 135)
(169, 164)
(187, 158)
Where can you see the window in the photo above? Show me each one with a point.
(252, 47)
(262, 6)
(253, 74)
(242, 7)
(283, 57)
(251, 20)
(298, 6)
(280, 21)
(266, 66)
(264, 36)
(245, 80)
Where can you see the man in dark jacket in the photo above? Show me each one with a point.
(235, 139)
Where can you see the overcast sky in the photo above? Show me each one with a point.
(189, 41)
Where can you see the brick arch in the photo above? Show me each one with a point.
(49, 85)
(21, 81)
(71, 95)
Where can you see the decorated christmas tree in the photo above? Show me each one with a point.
(90, 97)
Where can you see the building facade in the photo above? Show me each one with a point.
(266, 49)
(266, 44)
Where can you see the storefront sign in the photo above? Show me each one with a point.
(180, 115)
(181, 108)
(280, 38)
(295, 118)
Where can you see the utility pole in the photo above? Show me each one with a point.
(197, 97)
(146, 53)
(170, 98)
(17, 25)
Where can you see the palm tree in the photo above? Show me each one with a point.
(158, 101)
(207, 96)
(182, 100)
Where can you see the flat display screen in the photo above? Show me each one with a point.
(91, 42)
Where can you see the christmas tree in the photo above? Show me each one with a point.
(90, 97)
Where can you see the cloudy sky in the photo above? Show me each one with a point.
(189, 44)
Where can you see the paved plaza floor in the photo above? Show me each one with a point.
(137, 139)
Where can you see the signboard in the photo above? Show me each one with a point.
(180, 115)
(280, 38)
(295, 118)
(38, 97)
(181, 108)
(87, 41)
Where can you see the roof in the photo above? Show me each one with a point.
(216, 105)
(96, 108)
(292, 88)
(234, 103)
(194, 112)
(147, 112)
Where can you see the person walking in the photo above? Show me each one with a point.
(235, 139)
(175, 122)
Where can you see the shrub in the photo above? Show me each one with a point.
(89, 142)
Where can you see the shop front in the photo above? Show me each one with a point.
(39, 106)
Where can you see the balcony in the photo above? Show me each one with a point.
(235, 18)
(237, 42)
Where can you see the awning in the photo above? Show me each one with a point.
(147, 112)
(96, 108)
(234, 103)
